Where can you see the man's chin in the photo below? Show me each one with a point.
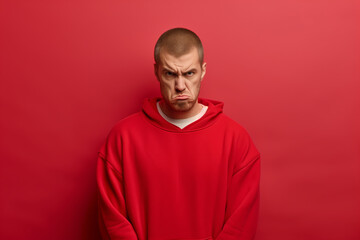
(182, 105)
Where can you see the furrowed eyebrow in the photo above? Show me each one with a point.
(168, 70)
(191, 70)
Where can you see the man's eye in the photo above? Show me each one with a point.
(169, 74)
(189, 74)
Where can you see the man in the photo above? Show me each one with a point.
(180, 169)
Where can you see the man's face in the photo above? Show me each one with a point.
(180, 79)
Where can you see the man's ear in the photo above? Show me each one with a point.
(156, 71)
(203, 70)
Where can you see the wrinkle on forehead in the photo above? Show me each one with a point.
(182, 63)
(177, 68)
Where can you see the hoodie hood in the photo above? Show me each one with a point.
(212, 114)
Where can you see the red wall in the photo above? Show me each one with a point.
(289, 71)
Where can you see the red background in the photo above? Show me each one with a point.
(289, 71)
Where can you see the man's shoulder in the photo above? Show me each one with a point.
(232, 125)
(240, 135)
(128, 122)
(238, 132)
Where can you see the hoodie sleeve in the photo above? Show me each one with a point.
(113, 221)
(242, 204)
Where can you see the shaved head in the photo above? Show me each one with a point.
(177, 42)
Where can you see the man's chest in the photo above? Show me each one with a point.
(177, 159)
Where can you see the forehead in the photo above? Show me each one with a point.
(190, 58)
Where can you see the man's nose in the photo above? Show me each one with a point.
(180, 84)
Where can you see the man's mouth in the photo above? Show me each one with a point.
(181, 97)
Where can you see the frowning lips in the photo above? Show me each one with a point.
(181, 97)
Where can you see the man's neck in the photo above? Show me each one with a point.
(181, 115)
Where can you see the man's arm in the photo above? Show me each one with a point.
(242, 204)
(113, 220)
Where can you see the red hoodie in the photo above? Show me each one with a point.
(159, 182)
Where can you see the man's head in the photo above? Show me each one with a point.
(179, 67)
(178, 41)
